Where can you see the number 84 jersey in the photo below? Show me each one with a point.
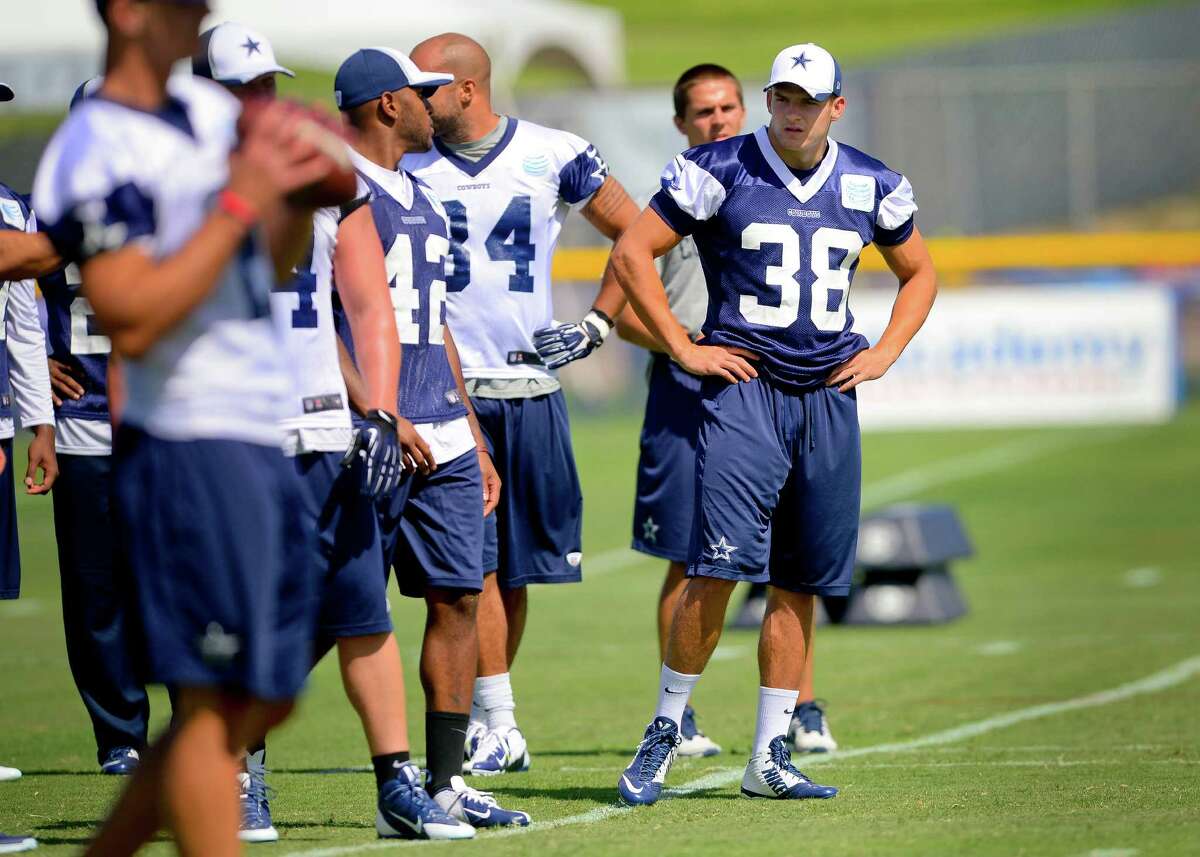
(779, 249)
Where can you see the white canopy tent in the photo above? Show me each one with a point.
(48, 46)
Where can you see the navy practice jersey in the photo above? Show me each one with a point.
(779, 252)
(115, 176)
(414, 230)
(73, 338)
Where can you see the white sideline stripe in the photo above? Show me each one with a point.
(998, 648)
(1162, 680)
(1142, 578)
(613, 559)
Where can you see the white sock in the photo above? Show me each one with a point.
(478, 715)
(775, 706)
(674, 690)
(495, 696)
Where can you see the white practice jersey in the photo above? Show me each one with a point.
(114, 176)
(506, 212)
(318, 414)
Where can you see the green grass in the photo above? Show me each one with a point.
(662, 39)
(1055, 536)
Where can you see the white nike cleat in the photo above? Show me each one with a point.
(694, 742)
(475, 733)
(476, 808)
(809, 730)
(500, 751)
(771, 774)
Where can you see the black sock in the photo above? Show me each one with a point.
(386, 766)
(445, 735)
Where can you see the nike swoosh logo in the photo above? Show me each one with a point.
(789, 710)
(630, 786)
(668, 690)
(482, 816)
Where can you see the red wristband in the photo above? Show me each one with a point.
(237, 208)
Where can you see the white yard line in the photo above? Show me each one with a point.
(1170, 677)
(1142, 578)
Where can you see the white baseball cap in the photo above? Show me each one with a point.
(234, 54)
(6, 93)
(810, 67)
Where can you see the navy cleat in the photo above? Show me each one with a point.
(770, 774)
(406, 811)
(13, 844)
(256, 823)
(809, 730)
(694, 742)
(641, 783)
(476, 808)
(120, 761)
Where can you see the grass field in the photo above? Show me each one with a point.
(955, 738)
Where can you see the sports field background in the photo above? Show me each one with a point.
(1085, 580)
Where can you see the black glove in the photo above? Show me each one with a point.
(376, 446)
(562, 343)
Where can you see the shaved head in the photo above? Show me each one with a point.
(457, 54)
(462, 110)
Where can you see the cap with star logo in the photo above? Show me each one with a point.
(810, 67)
(234, 54)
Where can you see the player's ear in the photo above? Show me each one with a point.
(389, 107)
(466, 92)
(126, 17)
(679, 126)
(838, 108)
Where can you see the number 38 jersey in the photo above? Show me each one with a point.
(778, 251)
(506, 211)
(412, 227)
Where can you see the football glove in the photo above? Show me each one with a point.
(376, 446)
(562, 343)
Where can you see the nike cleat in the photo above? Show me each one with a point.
(499, 752)
(770, 774)
(256, 823)
(476, 808)
(406, 811)
(120, 761)
(641, 783)
(694, 742)
(809, 730)
(475, 733)
(14, 844)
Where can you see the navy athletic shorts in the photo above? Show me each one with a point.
(433, 528)
(347, 554)
(536, 534)
(666, 475)
(10, 549)
(221, 560)
(778, 480)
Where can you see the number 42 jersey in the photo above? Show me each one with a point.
(506, 211)
(779, 250)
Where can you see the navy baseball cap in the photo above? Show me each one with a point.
(6, 93)
(85, 90)
(369, 72)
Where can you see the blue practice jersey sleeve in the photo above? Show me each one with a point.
(582, 175)
(103, 223)
(897, 208)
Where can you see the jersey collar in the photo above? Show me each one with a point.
(803, 191)
(396, 182)
(474, 168)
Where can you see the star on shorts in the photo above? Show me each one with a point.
(650, 530)
(722, 550)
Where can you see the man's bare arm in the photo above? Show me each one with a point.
(913, 267)
(633, 264)
(27, 255)
(611, 211)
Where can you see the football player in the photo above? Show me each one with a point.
(433, 525)
(147, 183)
(15, 266)
(779, 218)
(708, 107)
(97, 590)
(339, 505)
(507, 185)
